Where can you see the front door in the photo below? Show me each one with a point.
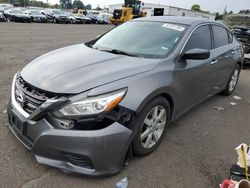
(195, 75)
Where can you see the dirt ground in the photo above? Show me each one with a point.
(197, 151)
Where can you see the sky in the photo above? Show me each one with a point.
(207, 5)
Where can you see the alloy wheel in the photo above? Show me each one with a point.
(234, 79)
(153, 127)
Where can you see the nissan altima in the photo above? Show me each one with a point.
(85, 107)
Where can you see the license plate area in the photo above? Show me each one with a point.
(18, 124)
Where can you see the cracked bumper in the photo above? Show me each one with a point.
(92, 152)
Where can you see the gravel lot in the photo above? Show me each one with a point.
(197, 151)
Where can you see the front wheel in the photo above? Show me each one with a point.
(151, 125)
(232, 82)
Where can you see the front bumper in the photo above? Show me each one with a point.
(39, 20)
(22, 19)
(62, 20)
(78, 21)
(90, 152)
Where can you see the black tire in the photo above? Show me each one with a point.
(71, 21)
(228, 91)
(54, 20)
(137, 145)
(246, 64)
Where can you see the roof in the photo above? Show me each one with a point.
(177, 19)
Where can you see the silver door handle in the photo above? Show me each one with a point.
(214, 61)
(233, 52)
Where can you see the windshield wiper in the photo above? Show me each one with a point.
(114, 51)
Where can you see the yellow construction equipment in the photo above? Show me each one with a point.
(132, 9)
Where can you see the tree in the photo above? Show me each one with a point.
(247, 11)
(196, 7)
(218, 16)
(98, 8)
(225, 11)
(55, 6)
(88, 7)
(66, 4)
(78, 4)
(38, 4)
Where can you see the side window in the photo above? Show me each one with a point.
(230, 37)
(201, 38)
(220, 36)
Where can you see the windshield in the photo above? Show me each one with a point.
(56, 12)
(146, 39)
(35, 12)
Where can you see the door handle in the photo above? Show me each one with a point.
(213, 62)
(233, 52)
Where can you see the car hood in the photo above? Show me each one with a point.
(38, 16)
(78, 68)
(78, 17)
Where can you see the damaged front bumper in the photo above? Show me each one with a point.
(94, 146)
(91, 152)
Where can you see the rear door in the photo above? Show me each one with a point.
(223, 57)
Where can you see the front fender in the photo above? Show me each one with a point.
(142, 88)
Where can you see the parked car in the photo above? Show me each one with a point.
(3, 8)
(74, 18)
(56, 16)
(82, 108)
(16, 15)
(243, 35)
(37, 16)
(94, 18)
(103, 18)
(85, 19)
(2, 17)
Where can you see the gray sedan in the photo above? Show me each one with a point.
(86, 107)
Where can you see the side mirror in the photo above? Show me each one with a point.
(196, 54)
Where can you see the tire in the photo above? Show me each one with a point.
(246, 64)
(149, 135)
(71, 21)
(232, 82)
(54, 20)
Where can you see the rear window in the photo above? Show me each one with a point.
(220, 36)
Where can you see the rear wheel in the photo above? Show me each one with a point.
(232, 82)
(151, 126)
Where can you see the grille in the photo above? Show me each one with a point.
(63, 17)
(79, 160)
(28, 97)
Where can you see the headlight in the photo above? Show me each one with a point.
(94, 105)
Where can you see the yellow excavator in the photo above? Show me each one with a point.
(131, 9)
